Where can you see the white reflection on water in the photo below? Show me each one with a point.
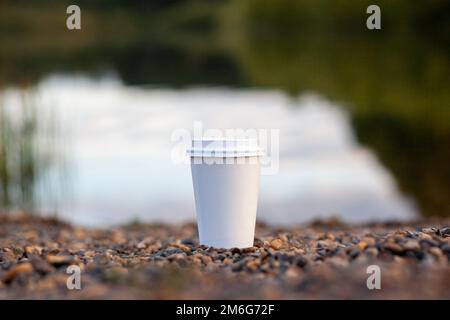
(120, 150)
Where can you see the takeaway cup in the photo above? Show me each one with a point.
(225, 174)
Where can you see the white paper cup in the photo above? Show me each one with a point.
(225, 174)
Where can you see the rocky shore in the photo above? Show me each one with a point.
(321, 260)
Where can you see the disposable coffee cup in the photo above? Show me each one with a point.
(225, 174)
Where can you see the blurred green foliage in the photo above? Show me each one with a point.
(25, 156)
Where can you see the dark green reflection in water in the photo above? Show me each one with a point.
(395, 82)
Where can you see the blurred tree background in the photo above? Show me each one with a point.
(394, 81)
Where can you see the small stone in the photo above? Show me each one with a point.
(330, 236)
(436, 252)
(372, 252)
(249, 250)
(33, 250)
(394, 247)
(429, 243)
(7, 257)
(59, 260)
(258, 243)
(353, 253)
(171, 250)
(276, 244)
(141, 245)
(327, 244)
(89, 253)
(411, 234)
(253, 265)
(425, 236)
(416, 254)
(115, 273)
(411, 245)
(275, 264)
(220, 257)
(321, 252)
(188, 242)
(237, 266)
(362, 245)
(14, 272)
(184, 248)
(206, 259)
(177, 256)
(235, 251)
(41, 265)
(292, 273)
(446, 248)
(369, 240)
(102, 259)
(300, 261)
(444, 232)
(429, 230)
(181, 246)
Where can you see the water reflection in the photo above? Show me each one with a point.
(393, 83)
(121, 153)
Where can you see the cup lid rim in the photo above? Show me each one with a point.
(218, 147)
(224, 139)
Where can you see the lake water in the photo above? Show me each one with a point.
(116, 144)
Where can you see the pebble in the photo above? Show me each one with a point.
(429, 243)
(321, 252)
(115, 273)
(249, 250)
(206, 259)
(60, 260)
(33, 250)
(446, 248)
(354, 253)
(300, 261)
(276, 244)
(14, 272)
(362, 245)
(394, 247)
(258, 243)
(292, 273)
(429, 230)
(372, 252)
(89, 253)
(425, 236)
(411, 245)
(253, 265)
(141, 245)
(327, 244)
(7, 257)
(188, 242)
(444, 232)
(41, 265)
(235, 251)
(436, 252)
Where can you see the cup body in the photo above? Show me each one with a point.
(226, 196)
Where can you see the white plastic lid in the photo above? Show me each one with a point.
(225, 147)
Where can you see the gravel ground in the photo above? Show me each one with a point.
(321, 260)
